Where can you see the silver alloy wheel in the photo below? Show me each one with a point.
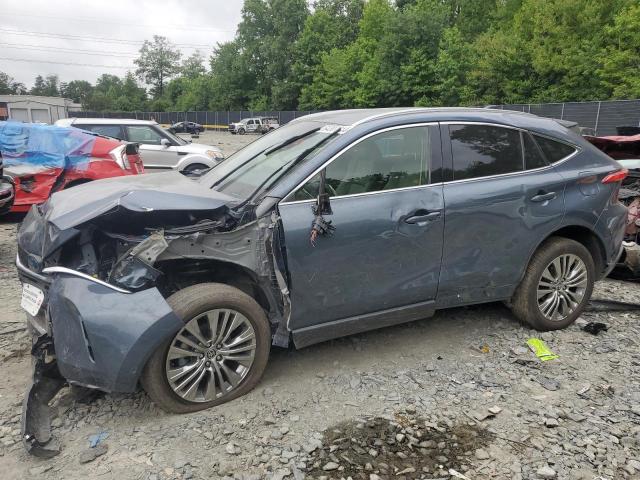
(211, 355)
(562, 286)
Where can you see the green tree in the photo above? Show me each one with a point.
(333, 25)
(39, 86)
(76, 90)
(8, 85)
(266, 36)
(232, 82)
(193, 65)
(451, 86)
(620, 59)
(159, 60)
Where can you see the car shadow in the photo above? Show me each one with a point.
(12, 218)
(445, 335)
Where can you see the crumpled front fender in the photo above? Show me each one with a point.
(102, 336)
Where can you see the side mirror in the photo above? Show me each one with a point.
(165, 143)
(323, 204)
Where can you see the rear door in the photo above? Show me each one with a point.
(502, 199)
(387, 210)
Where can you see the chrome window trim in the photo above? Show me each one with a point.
(577, 150)
(75, 273)
(377, 192)
(352, 144)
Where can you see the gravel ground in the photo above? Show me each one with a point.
(455, 396)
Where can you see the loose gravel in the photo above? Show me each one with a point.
(455, 396)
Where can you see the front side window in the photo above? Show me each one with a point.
(143, 134)
(394, 159)
(554, 151)
(484, 150)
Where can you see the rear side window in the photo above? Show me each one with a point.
(484, 150)
(532, 156)
(554, 151)
(113, 131)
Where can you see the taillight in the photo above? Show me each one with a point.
(616, 176)
(120, 157)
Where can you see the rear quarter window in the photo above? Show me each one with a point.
(533, 157)
(554, 150)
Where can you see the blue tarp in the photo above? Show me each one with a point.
(44, 146)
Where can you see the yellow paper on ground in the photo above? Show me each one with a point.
(541, 350)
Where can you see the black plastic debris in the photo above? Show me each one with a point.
(594, 328)
(320, 226)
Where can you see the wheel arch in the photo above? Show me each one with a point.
(194, 158)
(184, 273)
(583, 235)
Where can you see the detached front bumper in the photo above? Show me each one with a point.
(88, 333)
(102, 335)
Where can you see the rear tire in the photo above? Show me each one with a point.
(557, 285)
(193, 303)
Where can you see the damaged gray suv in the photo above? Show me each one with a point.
(336, 223)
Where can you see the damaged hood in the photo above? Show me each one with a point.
(169, 191)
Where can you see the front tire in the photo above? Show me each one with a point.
(241, 131)
(219, 355)
(557, 285)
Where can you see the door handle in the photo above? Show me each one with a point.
(543, 197)
(422, 218)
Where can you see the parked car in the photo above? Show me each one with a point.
(160, 149)
(186, 127)
(7, 190)
(43, 159)
(337, 223)
(626, 151)
(254, 125)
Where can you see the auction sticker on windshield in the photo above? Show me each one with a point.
(32, 298)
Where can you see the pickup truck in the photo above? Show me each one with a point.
(254, 125)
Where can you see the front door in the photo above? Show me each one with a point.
(154, 154)
(386, 249)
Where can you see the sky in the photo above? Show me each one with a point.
(104, 36)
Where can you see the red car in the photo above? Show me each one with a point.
(43, 159)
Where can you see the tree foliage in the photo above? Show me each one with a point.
(8, 85)
(292, 54)
(157, 63)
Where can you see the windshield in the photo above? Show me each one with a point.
(262, 162)
(175, 138)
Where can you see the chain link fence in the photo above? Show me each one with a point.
(603, 117)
